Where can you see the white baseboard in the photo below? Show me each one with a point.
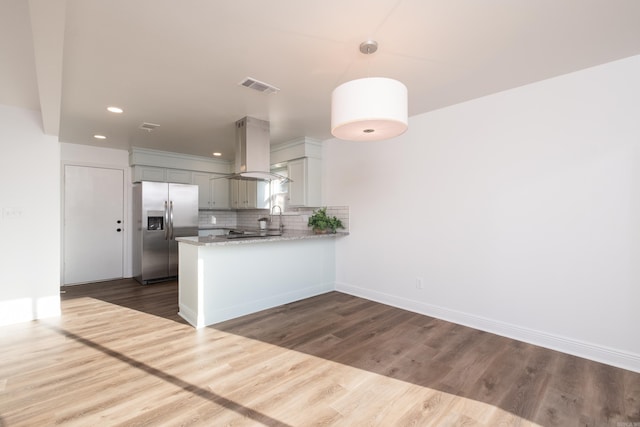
(578, 348)
(189, 315)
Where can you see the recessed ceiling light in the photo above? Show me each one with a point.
(116, 110)
(216, 154)
(99, 137)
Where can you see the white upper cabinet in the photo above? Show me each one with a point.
(179, 176)
(212, 193)
(149, 173)
(220, 192)
(249, 194)
(305, 182)
(162, 166)
(303, 159)
(235, 197)
(152, 173)
(201, 179)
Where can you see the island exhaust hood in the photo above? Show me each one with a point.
(253, 152)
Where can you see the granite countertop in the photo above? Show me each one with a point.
(287, 235)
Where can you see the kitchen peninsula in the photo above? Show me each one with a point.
(221, 278)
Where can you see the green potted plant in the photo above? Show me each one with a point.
(322, 223)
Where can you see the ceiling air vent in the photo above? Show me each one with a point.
(254, 84)
(149, 126)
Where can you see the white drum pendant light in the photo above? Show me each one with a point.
(369, 109)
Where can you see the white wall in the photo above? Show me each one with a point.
(30, 220)
(85, 155)
(520, 211)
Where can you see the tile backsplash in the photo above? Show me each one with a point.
(292, 220)
(222, 218)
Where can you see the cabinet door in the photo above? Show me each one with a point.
(235, 194)
(220, 193)
(297, 191)
(244, 194)
(202, 180)
(148, 173)
(179, 176)
(250, 194)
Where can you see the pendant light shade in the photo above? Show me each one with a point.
(369, 109)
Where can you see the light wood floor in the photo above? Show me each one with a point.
(120, 355)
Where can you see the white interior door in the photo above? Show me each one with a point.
(93, 224)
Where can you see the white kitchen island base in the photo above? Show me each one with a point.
(222, 280)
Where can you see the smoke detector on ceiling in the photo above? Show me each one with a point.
(149, 126)
(254, 84)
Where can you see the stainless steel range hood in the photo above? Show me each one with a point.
(253, 152)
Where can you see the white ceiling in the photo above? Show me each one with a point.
(177, 63)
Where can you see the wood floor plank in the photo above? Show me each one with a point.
(631, 397)
(523, 396)
(120, 355)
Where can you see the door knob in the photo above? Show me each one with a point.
(119, 222)
(118, 229)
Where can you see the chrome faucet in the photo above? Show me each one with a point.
(280, 226)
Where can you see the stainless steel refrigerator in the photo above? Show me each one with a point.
(162, 212)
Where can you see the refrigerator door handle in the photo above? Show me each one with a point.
(166, 221)
(172, 235)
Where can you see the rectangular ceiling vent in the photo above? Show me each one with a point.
(254, 84)
(149, 126)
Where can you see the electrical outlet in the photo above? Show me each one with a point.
(419, 283)
(213, 219)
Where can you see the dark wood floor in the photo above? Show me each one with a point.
(120, 355)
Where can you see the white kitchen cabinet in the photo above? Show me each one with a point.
(243, 194)
(201, 179)
(149, 173)
(161, 166)
(178, 176)
(212, 193)
(155, 174)
(249, 194)
(305, 185)
(235, 196)
(219, 192)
